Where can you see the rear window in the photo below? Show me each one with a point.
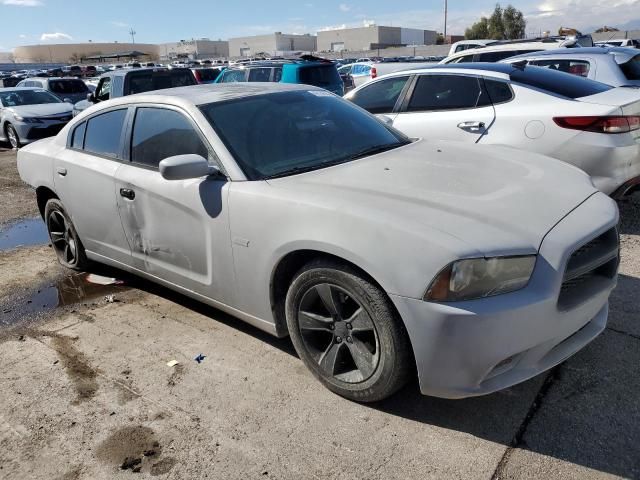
(631, 69)
(208, 74)
(262, 74)
(574, 67)
(559, 83)
(497, 56)
(148, 81)
(320, 76)
(68, 86)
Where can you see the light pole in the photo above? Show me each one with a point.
(132, 32)
(445, 21)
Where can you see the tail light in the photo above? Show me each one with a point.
(613, 124)
(374, 72)
(197, 75)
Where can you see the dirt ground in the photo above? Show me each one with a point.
(86, 392)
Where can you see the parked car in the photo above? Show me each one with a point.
(72, 71)
(585, 123)
(8, 82)
(207, 75)
(365, 72)
(496, 51)
(89, 71)
(620, 42)
(321, 73)
(71, 90)
(28, 114)
(614, 66)
(119, 83)
(463, 45)
(488, 267)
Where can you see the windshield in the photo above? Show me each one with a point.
(631, 69)
(285, 133)
(18, 98)
(68, 86)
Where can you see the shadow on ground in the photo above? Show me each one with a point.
(586, 412)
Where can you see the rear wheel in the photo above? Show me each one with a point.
(63, 235)
(346, 331)
(12, 136)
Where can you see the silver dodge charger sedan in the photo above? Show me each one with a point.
(300, 213)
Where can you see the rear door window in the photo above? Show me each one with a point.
(160, 133)
(380, 96)
(444, 92)
(67, 86)
(574, 67)
(558, 83)
(496, 91)
(232, 76)
(631, 69)
(103, 133)
(260, 74)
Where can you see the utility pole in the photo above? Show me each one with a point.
(445, 21)
(132, 32)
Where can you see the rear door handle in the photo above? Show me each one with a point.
(61, 171)
(127, 193)
(471, 126)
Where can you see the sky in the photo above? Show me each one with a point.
(26, 22)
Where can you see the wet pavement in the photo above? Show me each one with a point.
(73, 289)
(23, 233)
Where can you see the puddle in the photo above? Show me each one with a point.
(24, 233)
(69, 290)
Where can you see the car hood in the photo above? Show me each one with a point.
(496, 200)
(42, 110)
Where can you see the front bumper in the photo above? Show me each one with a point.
(30, 132)
(477, 347)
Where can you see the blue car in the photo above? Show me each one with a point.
(320, 73)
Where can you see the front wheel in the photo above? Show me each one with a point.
(346, 331)
(12, 136)
(63, 235)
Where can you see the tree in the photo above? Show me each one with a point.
(478, 31)
(496, 27)
(440, 40)
(513, 22)
(507, 24)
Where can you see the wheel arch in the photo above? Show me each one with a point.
(43, 195)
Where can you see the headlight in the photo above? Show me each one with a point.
(27, 119)
(480, 277)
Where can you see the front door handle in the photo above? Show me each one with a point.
(471, 126)
(61, 171)
(127, 193)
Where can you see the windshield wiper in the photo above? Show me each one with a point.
(376, 149)
(308, 168)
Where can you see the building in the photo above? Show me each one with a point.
(372, 37)
(621, 35)
(75, 52)
(194, 49)
(277, 43)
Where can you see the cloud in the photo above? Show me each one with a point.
(23, 3)
(47, 37)
(22, 35)
(344, 7)
(119, 24)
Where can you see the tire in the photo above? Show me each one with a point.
(347, 332)
(12, 136)
(64, 238)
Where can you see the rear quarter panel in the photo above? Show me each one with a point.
(35, 163)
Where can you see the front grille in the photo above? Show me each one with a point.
(37, 133)
(590, 269)
(59, 118)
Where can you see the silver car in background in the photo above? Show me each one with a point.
(29, 114)
(71, 90)
(615, 66)
(302, 214)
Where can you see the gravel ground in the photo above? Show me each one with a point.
(87, 393)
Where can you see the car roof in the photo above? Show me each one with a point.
(216, 92)
(574, 52)
(19, 89)
(52, 78)
(121, 72)
(498, 70)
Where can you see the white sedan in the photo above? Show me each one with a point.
(585, 123)
(303, 215)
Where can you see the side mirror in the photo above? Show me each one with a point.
(183, 167)
(91, 98)
(67, 100)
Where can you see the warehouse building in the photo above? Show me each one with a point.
(277, 43)
(194, 49)
(76, 52)
(372, 37)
